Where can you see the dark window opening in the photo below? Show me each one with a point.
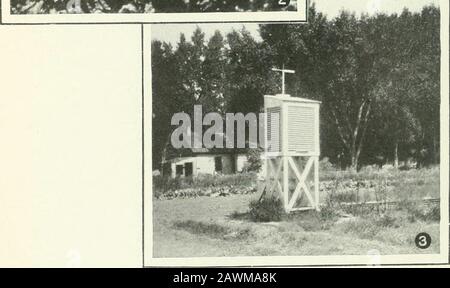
(233, 164)
(188, 169)
(218, 164)
(179, 170)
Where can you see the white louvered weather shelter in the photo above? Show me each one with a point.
(293, 150)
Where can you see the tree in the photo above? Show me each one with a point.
(424, 71)
(378, 78)
(408, 91)
(166, 97)
(191, 74)
(248, 73)
(372, 76)
(213, 73)
(334, 64)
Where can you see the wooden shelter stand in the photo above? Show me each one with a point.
(292, 149)
(284, 170)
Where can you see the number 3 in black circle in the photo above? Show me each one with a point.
(423, 240)
(283, 3)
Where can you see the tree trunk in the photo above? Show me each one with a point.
(396, 154)
(353, 137)
(435, 150)
(354, 156)
(362, 125)
(354, 162)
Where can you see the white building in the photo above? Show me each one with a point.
(204, 161)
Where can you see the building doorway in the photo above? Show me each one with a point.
(179, 170)
(218, 164)
(188, 169)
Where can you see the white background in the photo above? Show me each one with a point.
(70, 146)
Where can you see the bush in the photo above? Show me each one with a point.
(162, 184)
(267, 210)
(326, 165)
(417, 211)
(330, 210)
(433, 214)
(254, 163)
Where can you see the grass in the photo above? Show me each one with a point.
(223, 226)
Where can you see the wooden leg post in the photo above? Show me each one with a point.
(316, 183)
(267, 180)
(286, 183)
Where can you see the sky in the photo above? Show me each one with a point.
(171, 32)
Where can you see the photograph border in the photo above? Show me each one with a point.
(154, 18)
(297, 261)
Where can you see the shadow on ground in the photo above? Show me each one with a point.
(213, 230)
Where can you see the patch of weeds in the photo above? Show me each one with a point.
(344, 197)
(433, 213)
(386, 221)
(364, 228)
(421, 212)
(420, 182)
(368, 227)
(244, 234)
(210, 229)
(289, 237)
(265, 251)
(214, 230)
(300, 241)
(310, 225)
(312, 220)
(236, 215)
(266, 210)
(425, 213)
(329, 212)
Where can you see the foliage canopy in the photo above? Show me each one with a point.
(378, 78)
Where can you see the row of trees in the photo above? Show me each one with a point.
(378, 78)
(142, 6)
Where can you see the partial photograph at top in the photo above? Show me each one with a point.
(147, 6)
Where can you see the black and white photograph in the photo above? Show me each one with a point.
(303, 139)
(222, 141)
(151, 11)
(147, 6)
